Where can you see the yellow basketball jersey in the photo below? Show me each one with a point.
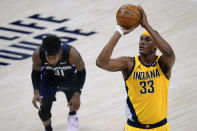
(147, 89)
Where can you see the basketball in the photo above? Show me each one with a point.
(128, 16)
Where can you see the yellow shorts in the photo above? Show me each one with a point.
(165, 127)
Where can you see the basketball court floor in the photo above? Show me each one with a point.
(88, 25)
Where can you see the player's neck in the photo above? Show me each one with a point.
(148, 59)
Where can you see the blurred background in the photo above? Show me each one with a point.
(24, 22)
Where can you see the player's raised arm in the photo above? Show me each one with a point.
(104, 59)
(127, 21)
(168, 56)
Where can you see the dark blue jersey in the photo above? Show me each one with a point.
(61, 75)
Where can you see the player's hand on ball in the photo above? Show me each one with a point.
(123, 31)
(128, 31)
(144, 21)
(36, 99)
(74, 102)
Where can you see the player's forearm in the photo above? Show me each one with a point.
(106, 53)
(163, 45)
(81, 76)
(35, 76)
(36, 91)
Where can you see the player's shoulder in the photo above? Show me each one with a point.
(65, 45)
(74, 52)
(36, 53)
(129, 60)
(126, 58)
(161, 61)
(164, 67)
(67, 49)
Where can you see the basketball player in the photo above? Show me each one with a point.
(57, 67)
(146, 77)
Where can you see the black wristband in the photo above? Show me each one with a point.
(35, 77)
(81, 76)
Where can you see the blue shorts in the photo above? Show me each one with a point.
(48, 88)
(50, 93)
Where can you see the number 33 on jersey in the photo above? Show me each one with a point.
(149, 85)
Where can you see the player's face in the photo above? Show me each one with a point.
(53, 60)
(146, 45)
